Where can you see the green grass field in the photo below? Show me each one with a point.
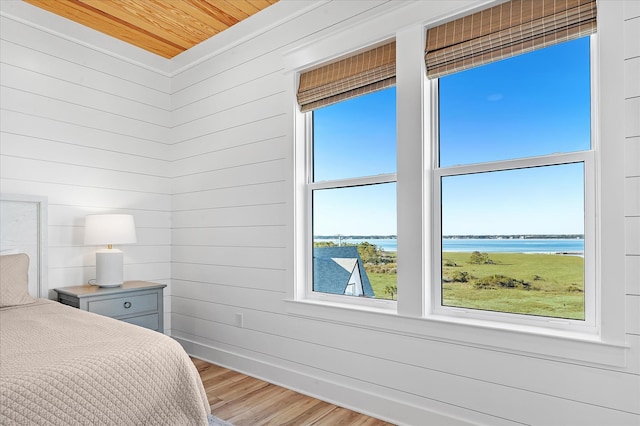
(380, 281)
(544, 284)
(553, 285)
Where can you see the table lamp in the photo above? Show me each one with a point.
(109, 229)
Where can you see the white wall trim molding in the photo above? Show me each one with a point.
(387, 408)
(553, 345)
(239, 34)
(58, 26)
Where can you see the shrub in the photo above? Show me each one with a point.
(460, 276)
(481, 285)
(501, 281)
(385, 268)
(480, 258)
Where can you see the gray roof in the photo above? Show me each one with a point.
(330, 274)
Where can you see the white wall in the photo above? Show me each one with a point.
(202, 157)
(632, 163)
(88, 130)
(230, 233)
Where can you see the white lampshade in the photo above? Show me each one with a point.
(109, 229)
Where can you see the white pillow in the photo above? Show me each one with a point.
(14, 280)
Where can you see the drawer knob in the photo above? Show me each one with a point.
(127, 305)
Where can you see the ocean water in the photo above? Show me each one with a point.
(540, 245)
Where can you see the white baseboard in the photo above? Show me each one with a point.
(371, 404)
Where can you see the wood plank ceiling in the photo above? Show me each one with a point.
(164, 27)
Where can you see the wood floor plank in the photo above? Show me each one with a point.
(246, 401)
(340, 416)
(306, 413)
(250, 406)
(264, 410)
(285, 410)
(240, 388)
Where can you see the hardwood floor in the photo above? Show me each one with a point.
(244, 400)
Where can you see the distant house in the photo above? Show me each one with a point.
(339, 270)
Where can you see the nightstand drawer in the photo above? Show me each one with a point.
(127, 305)
(136, 302)
(148, 321)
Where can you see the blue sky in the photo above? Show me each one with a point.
(356, 137)
(533, 104)
(352, 139)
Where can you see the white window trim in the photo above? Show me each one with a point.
(589, 324)
(407, 23)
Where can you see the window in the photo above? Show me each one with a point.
(514, 164)
(454, 180)
(513, 171)
(353, 197)
(350, 177)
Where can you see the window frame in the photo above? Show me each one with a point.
(310, 187)
(586, 157)
(588, 324)
(407, 22)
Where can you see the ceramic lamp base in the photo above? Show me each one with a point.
(109, 267)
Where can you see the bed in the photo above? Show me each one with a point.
(64, 366)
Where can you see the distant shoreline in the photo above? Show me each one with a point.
(516, 237)
(461, 237)
(562, 246)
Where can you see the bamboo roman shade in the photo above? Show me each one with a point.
(356, 75)
(506, 30)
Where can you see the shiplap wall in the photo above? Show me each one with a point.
(233, 124)
(632, 163)
(87, 130)
(200, 158)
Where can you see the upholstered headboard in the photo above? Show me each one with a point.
(23, 228)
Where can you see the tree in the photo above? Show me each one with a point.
(324, 244)
(368, 252)
(391, 290)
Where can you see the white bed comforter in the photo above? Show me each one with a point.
(63, 366)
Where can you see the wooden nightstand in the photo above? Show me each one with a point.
(135, 302)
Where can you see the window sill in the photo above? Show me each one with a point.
(551, 344)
